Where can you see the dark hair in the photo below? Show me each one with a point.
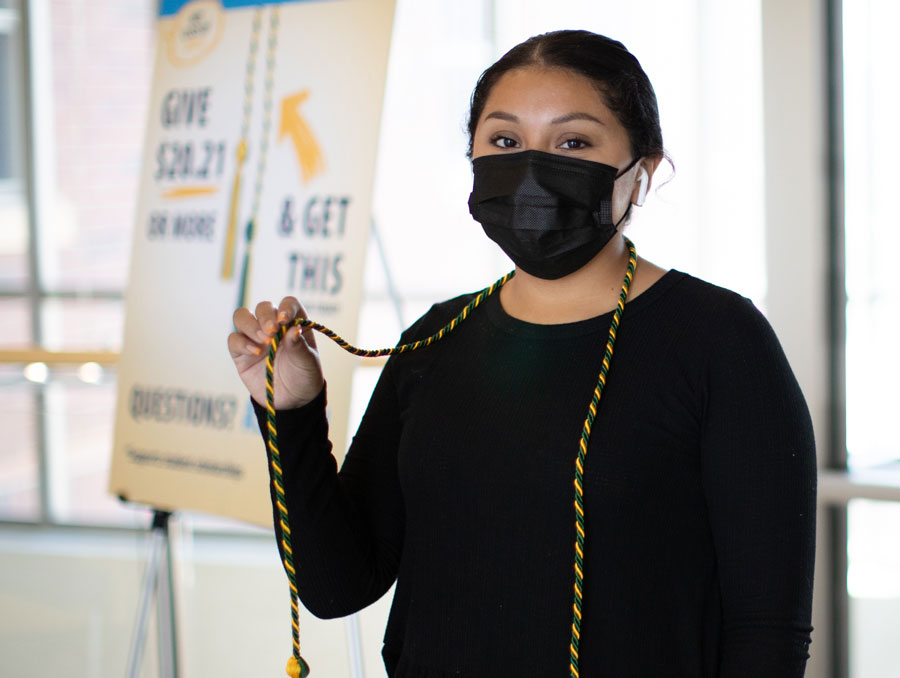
(618, 76)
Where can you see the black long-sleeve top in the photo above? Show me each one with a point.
(699, 487)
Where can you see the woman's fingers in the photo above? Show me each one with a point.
(290, 309)
(266, 316)
(261, 326)
(239, 346)
(298, 372)
(246, 323)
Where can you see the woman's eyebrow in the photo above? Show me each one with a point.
(501, 115)
(568, 117)
(576, 116)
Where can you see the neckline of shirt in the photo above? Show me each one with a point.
(600, 323)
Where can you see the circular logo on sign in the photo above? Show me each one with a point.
(197, 29)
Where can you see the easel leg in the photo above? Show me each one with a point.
(165, 611)
(158, 579)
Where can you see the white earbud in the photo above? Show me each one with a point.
(643, 180)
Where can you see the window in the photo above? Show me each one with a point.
(9, 85)
(13, 213)
(87, 81)
(871, 239)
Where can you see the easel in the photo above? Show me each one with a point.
(158, 580)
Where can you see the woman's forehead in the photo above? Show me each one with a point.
(548, 92)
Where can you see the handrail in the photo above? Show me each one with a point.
(106, 358)
(839, 487)
(39, 355)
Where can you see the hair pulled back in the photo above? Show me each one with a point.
(616, 73)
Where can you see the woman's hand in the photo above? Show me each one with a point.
(298, 372)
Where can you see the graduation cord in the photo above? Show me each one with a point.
(297, 666)
(579, 461)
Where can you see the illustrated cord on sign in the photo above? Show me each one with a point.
(231, 228)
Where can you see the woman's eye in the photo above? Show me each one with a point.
(574, 144)
(504, 142)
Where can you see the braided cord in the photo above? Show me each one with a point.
(297, 667)
(404, 348)
(579, 462)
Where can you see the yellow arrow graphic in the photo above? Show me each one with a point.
(309, 155)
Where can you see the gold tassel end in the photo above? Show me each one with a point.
(297, 669)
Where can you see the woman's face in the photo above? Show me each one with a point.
(556, 111)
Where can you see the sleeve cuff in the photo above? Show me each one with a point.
(295, 419)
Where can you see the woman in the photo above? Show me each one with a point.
(698, 479)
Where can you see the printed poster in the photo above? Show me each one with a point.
(256, 183)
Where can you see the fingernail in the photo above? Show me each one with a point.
(270, 328)
(282, 316)
(263, 336)
(257, 350)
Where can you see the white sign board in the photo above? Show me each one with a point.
(257, 183)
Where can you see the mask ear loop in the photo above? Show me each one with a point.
(623, 217)
(629, 166)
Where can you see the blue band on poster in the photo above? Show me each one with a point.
(169, 7)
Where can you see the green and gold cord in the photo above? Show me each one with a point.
(297, 667)
(579, 462)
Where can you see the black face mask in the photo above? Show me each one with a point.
(550, 213)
